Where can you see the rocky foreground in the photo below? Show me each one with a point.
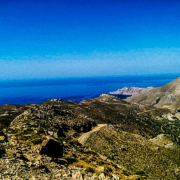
(41, 143)
(101, 138)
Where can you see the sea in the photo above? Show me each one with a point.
(32, 91)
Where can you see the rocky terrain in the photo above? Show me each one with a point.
(130, 91)
(8, 112)
(153, 158)
(41, 143)
(102, 138)
(167, 96)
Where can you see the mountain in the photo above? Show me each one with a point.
(130, 91)
(167, 96)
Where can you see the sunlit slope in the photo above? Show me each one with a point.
(156, 158)
(165, 96)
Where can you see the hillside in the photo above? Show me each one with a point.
(156, 158)
(41, 143)
(167, 96)
(117, 140)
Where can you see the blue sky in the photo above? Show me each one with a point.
(64, 38)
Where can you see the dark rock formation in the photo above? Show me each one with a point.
(2, 150)
(51, 148)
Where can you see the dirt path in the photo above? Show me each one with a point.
(82, 139)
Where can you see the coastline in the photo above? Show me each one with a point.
(76, 89)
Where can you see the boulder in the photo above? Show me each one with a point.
(77, 175)
(2, 138)
(177, 115)
(51, 148)
(2, 150)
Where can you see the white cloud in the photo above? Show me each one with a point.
(146, 61)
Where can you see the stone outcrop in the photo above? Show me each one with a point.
(2, 138)
(56, 100)
(51, 148)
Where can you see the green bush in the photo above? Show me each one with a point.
(141, 173)
(28, 130)
(61, 139)
(74, 142)
(36, 141)
(40, 131)
(90, 169)
(82, 164)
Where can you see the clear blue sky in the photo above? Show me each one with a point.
(78, 38)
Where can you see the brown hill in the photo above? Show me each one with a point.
(167, 96)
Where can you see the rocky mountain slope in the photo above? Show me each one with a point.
(101, 138)
(167, 96)
(40, 143)
(130, 91)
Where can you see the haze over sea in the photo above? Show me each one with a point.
(76, 89)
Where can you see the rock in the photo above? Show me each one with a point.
(56, 100)
(123, 148)
(101, 176)
(177, 115)
(2, 138)
(77, 175)
(51, 148)
(170, 117)
(161, 136)
(115, 177)
(100, 169)
(171, 145)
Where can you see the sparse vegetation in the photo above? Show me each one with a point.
(74, 142)
(135, 152)
(28, 130)
(83, 164)
(40, 131)
(61, 139)
(36, 141)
